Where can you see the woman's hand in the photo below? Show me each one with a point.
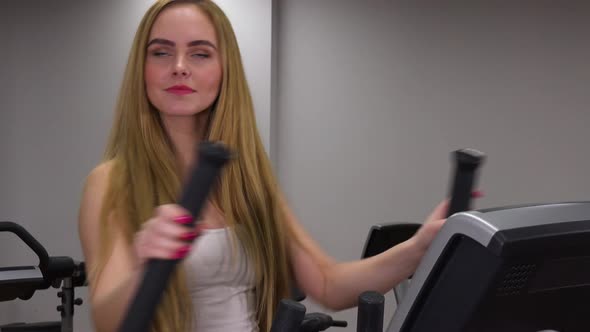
(165, 235)
(427, 232)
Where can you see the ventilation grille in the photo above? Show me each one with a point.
(515, 279)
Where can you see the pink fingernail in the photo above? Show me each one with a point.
(179, 256)
(477, 194)
(189, 236)
(181, 253)
(183, 219)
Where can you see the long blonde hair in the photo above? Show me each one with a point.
(145, 174)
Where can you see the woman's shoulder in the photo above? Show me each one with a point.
(103, 168)
(97, 181)
(101, 171)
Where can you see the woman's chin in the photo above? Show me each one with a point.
(180, 111)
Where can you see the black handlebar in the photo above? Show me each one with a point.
(53, 268)
(211, 158)
(29, 240)
(288, 317)
(467, 162)
(370, 312)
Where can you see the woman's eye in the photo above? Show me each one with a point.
(160, 53)
(200, 55)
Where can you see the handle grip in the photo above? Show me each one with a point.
(370, 312)
(467, 162)
(212, 157)
(288, 317)
(29, 240)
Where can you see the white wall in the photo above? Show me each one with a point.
(61, 66)
(374, 95)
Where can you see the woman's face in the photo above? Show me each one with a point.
(183, 65)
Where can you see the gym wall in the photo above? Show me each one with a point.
(374, 95)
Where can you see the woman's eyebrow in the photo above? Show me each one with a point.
(167, 42)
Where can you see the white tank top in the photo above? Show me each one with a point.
(222, 289)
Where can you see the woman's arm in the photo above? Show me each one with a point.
(338, 285)
(112, 291)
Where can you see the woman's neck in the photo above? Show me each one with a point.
(186, 132)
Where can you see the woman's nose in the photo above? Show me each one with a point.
(180, 68)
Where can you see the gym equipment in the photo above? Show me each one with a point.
(53, 271)
(370, 312)
(467, 163)
(212, 157)
(290, 316)
(385, 236)
(315, 322)
(522, 268)
(519, 268)
(382, 237)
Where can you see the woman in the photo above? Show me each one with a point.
(185, 83)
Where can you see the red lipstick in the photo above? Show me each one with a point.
(180, 90)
